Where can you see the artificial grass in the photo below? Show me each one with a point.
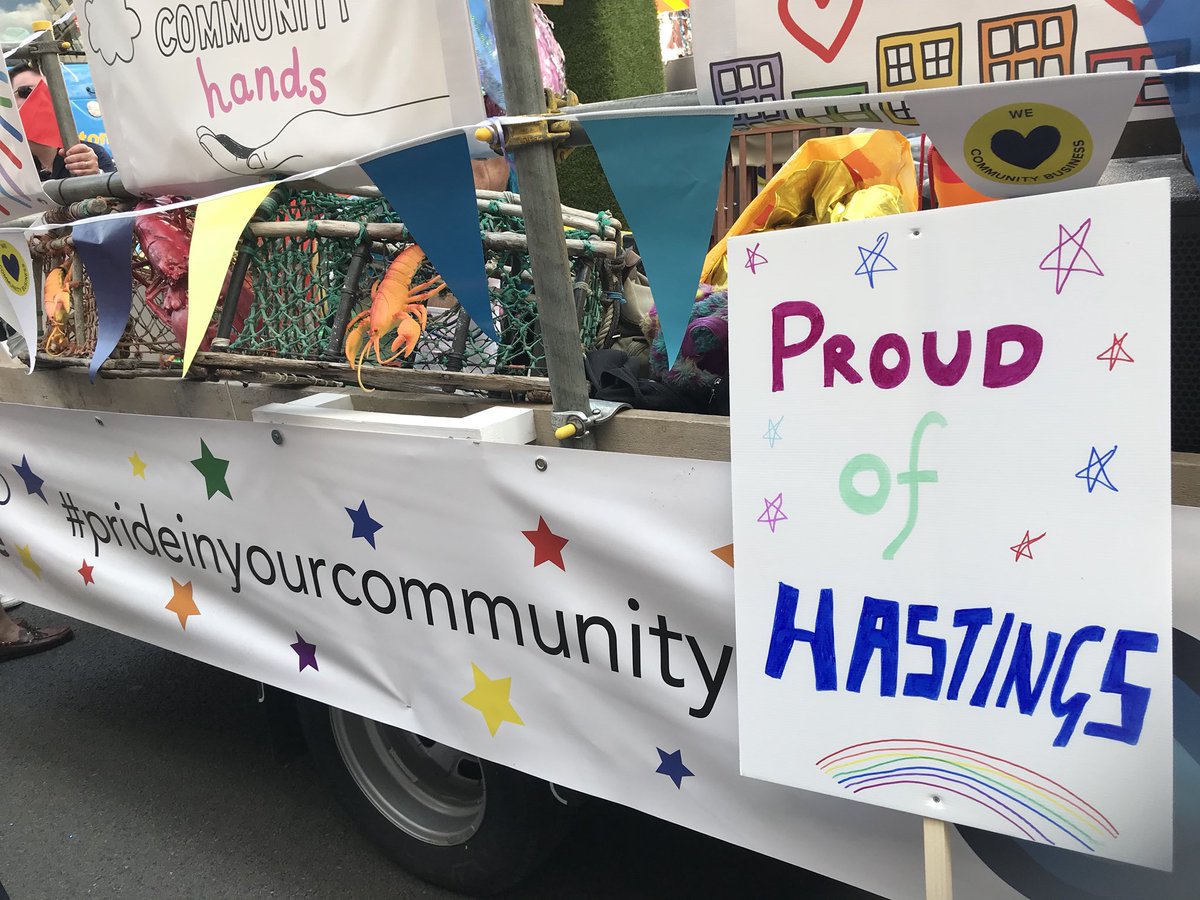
(612, 51)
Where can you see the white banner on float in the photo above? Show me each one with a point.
(749, 50)
(207, 95)
(21, 191)
(951, 475)
(442, 586)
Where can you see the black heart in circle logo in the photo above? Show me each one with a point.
(1026, 151)
(12, 265)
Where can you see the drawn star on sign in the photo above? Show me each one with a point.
(364, 526)
(1116, 352)
(85, 572)
(213, 468)
(307, 653)
(773, 512)
(490, 697)
(139, 467)
(547, 546)
(182, 602)
(33, 484)
(672, 766)
(28, 562)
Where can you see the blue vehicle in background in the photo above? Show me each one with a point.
(84, 104)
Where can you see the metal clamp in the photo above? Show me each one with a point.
(573, 424)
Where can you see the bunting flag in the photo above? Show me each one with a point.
(666, 172)
(1017, 138)
(432, 187)
(104, 246)
(219, 223)
(38, 119)
(1172, 27)
(18, 299)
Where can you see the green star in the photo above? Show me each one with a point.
(213, 468)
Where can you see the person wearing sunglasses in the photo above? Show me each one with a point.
(84, 158)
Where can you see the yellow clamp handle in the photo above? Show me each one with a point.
(566, 432)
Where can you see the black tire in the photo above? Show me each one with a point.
(459, 822)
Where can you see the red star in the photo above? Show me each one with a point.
(1116, 353)
(86, 571)
(1025, 547)
(547, 546)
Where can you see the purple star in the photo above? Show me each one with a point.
(364, 526)
(307, 653)
(672, 766)
(33, 484)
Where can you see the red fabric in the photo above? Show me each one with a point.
(38, 120)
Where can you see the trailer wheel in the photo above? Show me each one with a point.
(448, 817)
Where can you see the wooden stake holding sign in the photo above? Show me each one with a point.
(938, 880)
(936, 540)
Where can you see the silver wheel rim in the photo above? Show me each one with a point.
(430, 791)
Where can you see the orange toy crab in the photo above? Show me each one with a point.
(396, 305)
(56, 301)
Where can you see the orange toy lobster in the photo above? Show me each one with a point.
(396, 305)
(56, 301)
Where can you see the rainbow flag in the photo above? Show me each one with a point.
(672, 5)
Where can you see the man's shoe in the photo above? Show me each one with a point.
(32, 639)
(10, 602)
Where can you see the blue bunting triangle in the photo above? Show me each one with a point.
(104, 246)
(1173, 30)
(432, 187)
(666, 172)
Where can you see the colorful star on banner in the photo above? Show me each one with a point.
(182, 602)
(490, 697)
(773, 434)
(547, 546)
(666, 171)
(213, 468)
(1024, 547)
(1096, 471)
(1071, 256)
(1116, 352)
(307, 653)
(219, 223)
(28, 562)
(432, 187)
(33, 484)
(139, 467)
(364, 526)
(104, 246)
(773, 512)
(672, 766)
(85, 572)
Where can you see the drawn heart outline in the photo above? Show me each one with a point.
(12, 265)
(1027, 151)
(824, 53)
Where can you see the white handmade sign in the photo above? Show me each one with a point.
(747, 50)
(213, 93)
(21, 191)
(951, 494)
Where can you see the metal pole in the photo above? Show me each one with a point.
(46, 51)
(536, 172)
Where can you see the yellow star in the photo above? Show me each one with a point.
(490, 697)
(139, 467)
(182, 603)
(28, 562)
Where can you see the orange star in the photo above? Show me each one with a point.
(86, 571)
(547, 546)
(182, 603)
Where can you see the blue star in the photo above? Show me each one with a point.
(364, 525)
(1100, 476)
(33, 484)
(773, 434)
(672, 766)
(874, 261)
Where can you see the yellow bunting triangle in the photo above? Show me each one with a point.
(219, 224)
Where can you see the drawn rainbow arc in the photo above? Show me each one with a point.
(13, 193)
(1039, 808)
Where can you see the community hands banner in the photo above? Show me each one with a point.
(951, 475)
(749, 50)
(208, 95)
